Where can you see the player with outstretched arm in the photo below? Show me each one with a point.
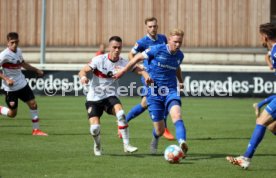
(103, 95)
(163, 94)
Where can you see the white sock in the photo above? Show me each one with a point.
(95, 132)
(35, 119)
(122, 125)
(125, 135)
(4, 110)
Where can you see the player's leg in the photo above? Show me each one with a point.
(156, 112)
(27, 96)
(114, 107)
(137, 110)
(12, 103)
(258, 106)
(95, 111)
(158, 131)
(174, 107)
(262, 122)
(167, 134)
(95, 130)
(272, 127)
(35, 118)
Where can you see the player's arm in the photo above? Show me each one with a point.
(137, 58)
(140, 71)
(130, 56)
(9, 81)
(29, 67)
(179, 77)
(83, 74)
(268, 60)
(3, 77)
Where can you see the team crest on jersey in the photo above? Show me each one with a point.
(89, 110)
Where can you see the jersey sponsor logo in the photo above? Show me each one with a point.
(166, 66)
(161, 57)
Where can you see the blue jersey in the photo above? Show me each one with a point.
(273, 55)
(163, 65)
(146, 42)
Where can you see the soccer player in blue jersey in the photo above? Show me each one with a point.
(162, 95)
(259, 105)
(268, 116)
(150, 39)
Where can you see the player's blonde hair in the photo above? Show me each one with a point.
(176, 32)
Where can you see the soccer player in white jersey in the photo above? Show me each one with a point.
(15, 84)
(102, 94)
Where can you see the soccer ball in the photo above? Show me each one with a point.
(173, 154)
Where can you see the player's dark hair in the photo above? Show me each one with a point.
(115, 38)
(12, 36)
(269, 29)
(150, 19)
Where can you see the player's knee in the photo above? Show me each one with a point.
(176, 116)
(120, 115)
(12, 113)
(160, 132)
(32, 105)
(95, 129)
(144, 105)
(262, 121)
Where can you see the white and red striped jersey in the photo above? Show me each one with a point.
(11, 63)
(102, 84)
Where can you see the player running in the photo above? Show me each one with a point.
(15, 84)
(149, 40)
(268, 116)
(163, 94)
(102, 94)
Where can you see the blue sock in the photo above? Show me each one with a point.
(256, 138)
(180, 130)
(134, 112)
(265, 101)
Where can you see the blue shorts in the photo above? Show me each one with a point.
(271, 109)
(158, 105)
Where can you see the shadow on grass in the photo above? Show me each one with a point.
(10, 126)
(143, 155)
(223, 138)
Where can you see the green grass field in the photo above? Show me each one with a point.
(216, 127)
